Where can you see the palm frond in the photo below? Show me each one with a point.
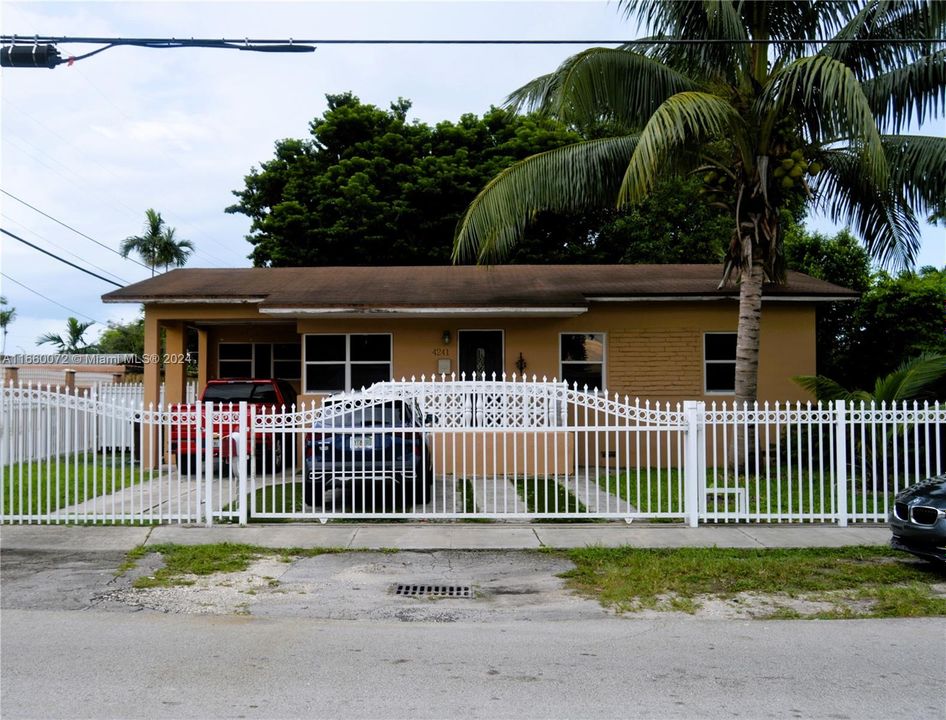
(573, 177)
(713, 20)
(683, 120)
(827, 92)
(918, 170)
(602, 85)
(911, 379)
(911, 93)
(882, 218)
(883, 34)
(825, 389)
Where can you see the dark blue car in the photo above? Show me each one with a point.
(369, 456)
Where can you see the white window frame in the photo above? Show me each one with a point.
(706, 390)
(604, 357)
(348, 362)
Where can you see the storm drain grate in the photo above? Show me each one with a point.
(455, 591)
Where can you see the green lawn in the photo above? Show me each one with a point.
(842, 582)
(660, 491)
(42, 487)
(543, 495)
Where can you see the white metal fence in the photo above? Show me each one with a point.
(459, 449)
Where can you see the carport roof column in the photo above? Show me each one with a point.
(152, 382)
(202, 359)
(175, 369)
(152, 370)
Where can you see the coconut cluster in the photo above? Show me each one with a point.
(791, 171)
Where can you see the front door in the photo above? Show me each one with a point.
(481, 351)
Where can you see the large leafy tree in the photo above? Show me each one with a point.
(370, 187)
(119, 338)
(750, 96)
(841, 260)
(899, 316)
(158, 244)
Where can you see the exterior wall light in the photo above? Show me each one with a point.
(446, 337)
(521, 364)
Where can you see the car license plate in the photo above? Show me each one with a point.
(362, 443)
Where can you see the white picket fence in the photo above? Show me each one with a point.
(459, 449)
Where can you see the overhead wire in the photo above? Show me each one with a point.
(47, 299)
(69, 227)
(301, 45)
(62, 260)
(62, 249)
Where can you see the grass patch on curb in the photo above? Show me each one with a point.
(806, 583)
(183, 561)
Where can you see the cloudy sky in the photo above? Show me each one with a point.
(96, 144)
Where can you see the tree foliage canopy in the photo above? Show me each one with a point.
(369, 187)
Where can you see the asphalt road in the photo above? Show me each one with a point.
(146, 664)
(69, 649)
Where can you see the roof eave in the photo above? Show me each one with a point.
(422, 312)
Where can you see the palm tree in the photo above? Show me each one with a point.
(157, 245)
(6, 317)
(752, 97)
(73, 341)
(174, 252)
(911, 380)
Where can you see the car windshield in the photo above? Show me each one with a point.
(238, 392)
(386, 415)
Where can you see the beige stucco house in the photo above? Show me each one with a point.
(662, 332)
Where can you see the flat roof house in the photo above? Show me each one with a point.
(662, 332)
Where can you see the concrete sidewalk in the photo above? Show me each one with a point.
(423, 536)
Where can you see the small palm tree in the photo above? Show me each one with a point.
(6, 317)
(157, 245)
(174, 252)
(74, 339)
(910, 381)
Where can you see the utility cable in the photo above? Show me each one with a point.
(42, 50)
(60, 248)
(64, 307)
(62, 260)
(69, 227)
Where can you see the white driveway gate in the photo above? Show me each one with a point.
(460, 449)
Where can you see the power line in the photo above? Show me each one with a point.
(64, 307)
(69, 227)
(298, 45)
(62, 260)
(84, 185)
(62, 249)
(42, 50)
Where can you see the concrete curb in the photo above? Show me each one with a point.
(421, 536)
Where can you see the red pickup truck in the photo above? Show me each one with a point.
(272, 394)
